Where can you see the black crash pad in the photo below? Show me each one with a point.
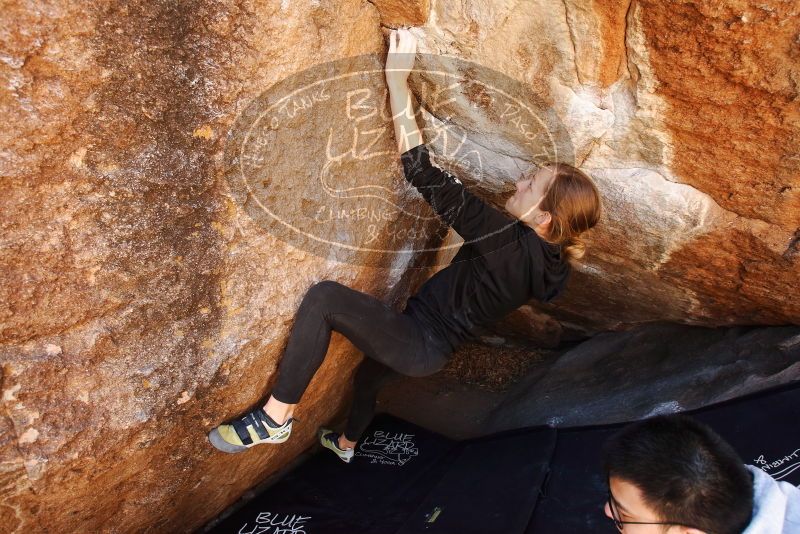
(406, 480)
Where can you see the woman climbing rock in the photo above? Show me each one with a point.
(505, 261)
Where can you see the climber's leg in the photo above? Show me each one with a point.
(369, 379)
(345, 443)
(277, 410)
(391, 337)
(388, 336)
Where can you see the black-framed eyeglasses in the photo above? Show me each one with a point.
(620, 523)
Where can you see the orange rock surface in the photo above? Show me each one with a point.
(142, 302)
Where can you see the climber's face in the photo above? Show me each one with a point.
(524, 203)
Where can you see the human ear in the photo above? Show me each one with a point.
(543, 218)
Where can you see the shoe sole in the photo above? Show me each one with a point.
(216, 440)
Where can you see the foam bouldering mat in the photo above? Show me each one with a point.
(491, 485)
(573, 495)
(762, 427)
(406, 480)
(393, 467)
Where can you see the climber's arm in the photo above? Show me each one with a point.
(399, 61)
(472, 218)
(406, 131)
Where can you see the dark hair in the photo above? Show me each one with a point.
(685, 471)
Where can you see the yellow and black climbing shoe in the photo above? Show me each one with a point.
(253, 428)
(330, 440)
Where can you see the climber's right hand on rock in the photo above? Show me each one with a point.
(400, 59)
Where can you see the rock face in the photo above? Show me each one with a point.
(143, 303)
(690, 130)
(648, 370)
(611, 378)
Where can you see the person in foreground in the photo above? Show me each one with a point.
(673, 474)
(505, 261)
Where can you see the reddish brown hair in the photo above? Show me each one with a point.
(573, 201)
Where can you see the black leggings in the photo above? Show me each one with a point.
(394, 339)
(370, 377)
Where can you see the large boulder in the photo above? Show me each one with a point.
(140, 305)
(687, 116)
(145, 300)
(650, 369)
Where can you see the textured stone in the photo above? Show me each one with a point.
(141, 305)
(648, 370)
(611, 378)
(140, 308)
(633, 90)
(402, 13)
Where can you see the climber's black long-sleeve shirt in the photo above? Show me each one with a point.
(501, 265)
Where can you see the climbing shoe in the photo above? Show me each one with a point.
(253, 428)
(330, 440)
